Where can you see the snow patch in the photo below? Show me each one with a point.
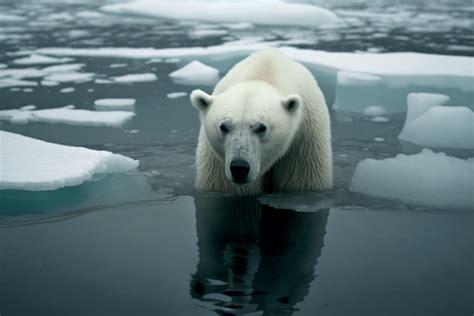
(427, 178)
(35, 165)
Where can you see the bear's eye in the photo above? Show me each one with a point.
(261, 129)
(224, 129)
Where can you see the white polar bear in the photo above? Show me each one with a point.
(265, 128)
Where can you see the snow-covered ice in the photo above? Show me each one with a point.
(35, 165)
(195, 72)
(116, 104)
(427, 178)
(429, 123)
(257, 12)
(35, 59)
(145, 77)
(174, 95)
(69, 116)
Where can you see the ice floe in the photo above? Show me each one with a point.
(195, 72)
(429, 123)
(11, 82)
(51, 75)
(174, 95)
(11, 18)
(426, 178)
(39, 60)
(116, 104)
(70, 77)
(257, 12)
(230, 48)
(130, 78)
(357, 80)
(374, 110)
(67, 90)
(35, 165)
(63, 68)
(206, 33)
(69, 116)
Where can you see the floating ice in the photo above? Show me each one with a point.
(63, 68)
(429, 123)
(9, 82)
(366, 79)
(241, 26)
(11, 18)
(379, 119)
(237, 48)
(90, 15)
(207, 33)
(28, 107)
(35, 165)
(396, 69)
(70, 77)
(145, 77)
(47, 83)
(2, 66)
(115, 104)
(68, 115)
(442, 69)
(174, 95)
(67, 90)
(195, 72)
(117, 65)
(257, 12)
(357, 92)
(21, 73)
(374, 111)
(39, 59)
(427, 178)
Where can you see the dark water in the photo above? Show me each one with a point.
(144, 243)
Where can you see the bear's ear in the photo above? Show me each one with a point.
(292, 102)
(201, 100)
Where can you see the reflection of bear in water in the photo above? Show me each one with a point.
(258, 257)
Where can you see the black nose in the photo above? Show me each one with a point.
(239, 169)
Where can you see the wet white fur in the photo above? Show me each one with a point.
(296, 152)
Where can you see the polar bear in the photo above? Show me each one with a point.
(265, 128)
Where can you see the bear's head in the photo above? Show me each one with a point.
(249, 126)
